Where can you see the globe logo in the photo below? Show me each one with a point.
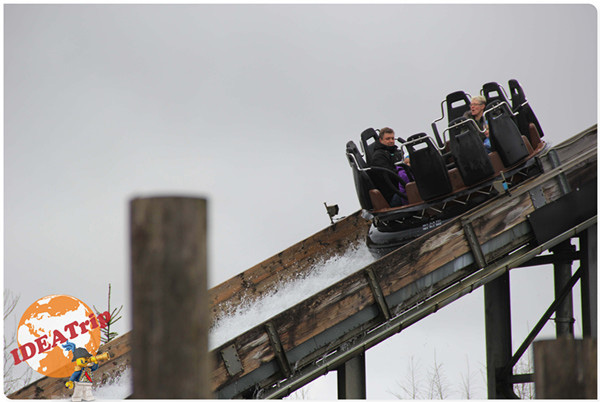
(50, 322)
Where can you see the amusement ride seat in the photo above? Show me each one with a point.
(362, 181)
(493, 91)
(505, 136)
(469, 153)
(368, 147)
(457, 104)
(428, 167)
(521, 108)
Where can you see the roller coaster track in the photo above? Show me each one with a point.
(328, 328)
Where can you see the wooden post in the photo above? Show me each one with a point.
(565, 368)
(170, 314)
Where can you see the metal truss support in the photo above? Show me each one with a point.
(498, 336)
(562, 274)
(561, 294)
(498, 345)
(352, 380)
(589, 282)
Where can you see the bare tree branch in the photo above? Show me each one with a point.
(12, 380)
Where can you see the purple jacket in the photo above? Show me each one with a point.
(402, 174)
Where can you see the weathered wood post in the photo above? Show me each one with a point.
(566, 368)
(170, 309)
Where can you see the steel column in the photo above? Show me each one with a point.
(589, 282)
(498, 336)
(352, 380)
(562, 274)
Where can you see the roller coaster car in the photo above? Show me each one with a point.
(450, 176)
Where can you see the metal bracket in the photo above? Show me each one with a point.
(562, 178)
(284, 364)
(537, 197)
(232, 360)
(474, 244)
(378, 293)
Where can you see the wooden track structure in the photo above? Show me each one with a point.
(290, 264)
(332, 326)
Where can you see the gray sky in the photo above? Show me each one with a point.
(250, 106)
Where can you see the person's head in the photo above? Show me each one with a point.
(386, 136)
(477, 105)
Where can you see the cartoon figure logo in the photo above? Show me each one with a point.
(51, 322)
(81, 378)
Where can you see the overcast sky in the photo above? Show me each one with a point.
(251, 107)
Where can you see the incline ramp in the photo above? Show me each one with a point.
(325, 330)
(290, 264)
(318, 334)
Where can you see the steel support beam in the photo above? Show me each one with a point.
(552, 259)
(564, 292)
(589, 282)
(352, 380)
(562, 274)
(498, 336)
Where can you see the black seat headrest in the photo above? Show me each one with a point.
(356, 157)
(368, 139)
(492, 92)
(457, 104)
(516, 93)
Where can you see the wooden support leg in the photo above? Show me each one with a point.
(170, 313)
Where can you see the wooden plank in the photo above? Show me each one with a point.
(421, 257)
(297, 325)
(289, 264)
(328, 308)
(253, 349)
(574, 146)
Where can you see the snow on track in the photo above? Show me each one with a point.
(287, 294)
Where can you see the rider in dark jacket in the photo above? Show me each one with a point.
(385, 155)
